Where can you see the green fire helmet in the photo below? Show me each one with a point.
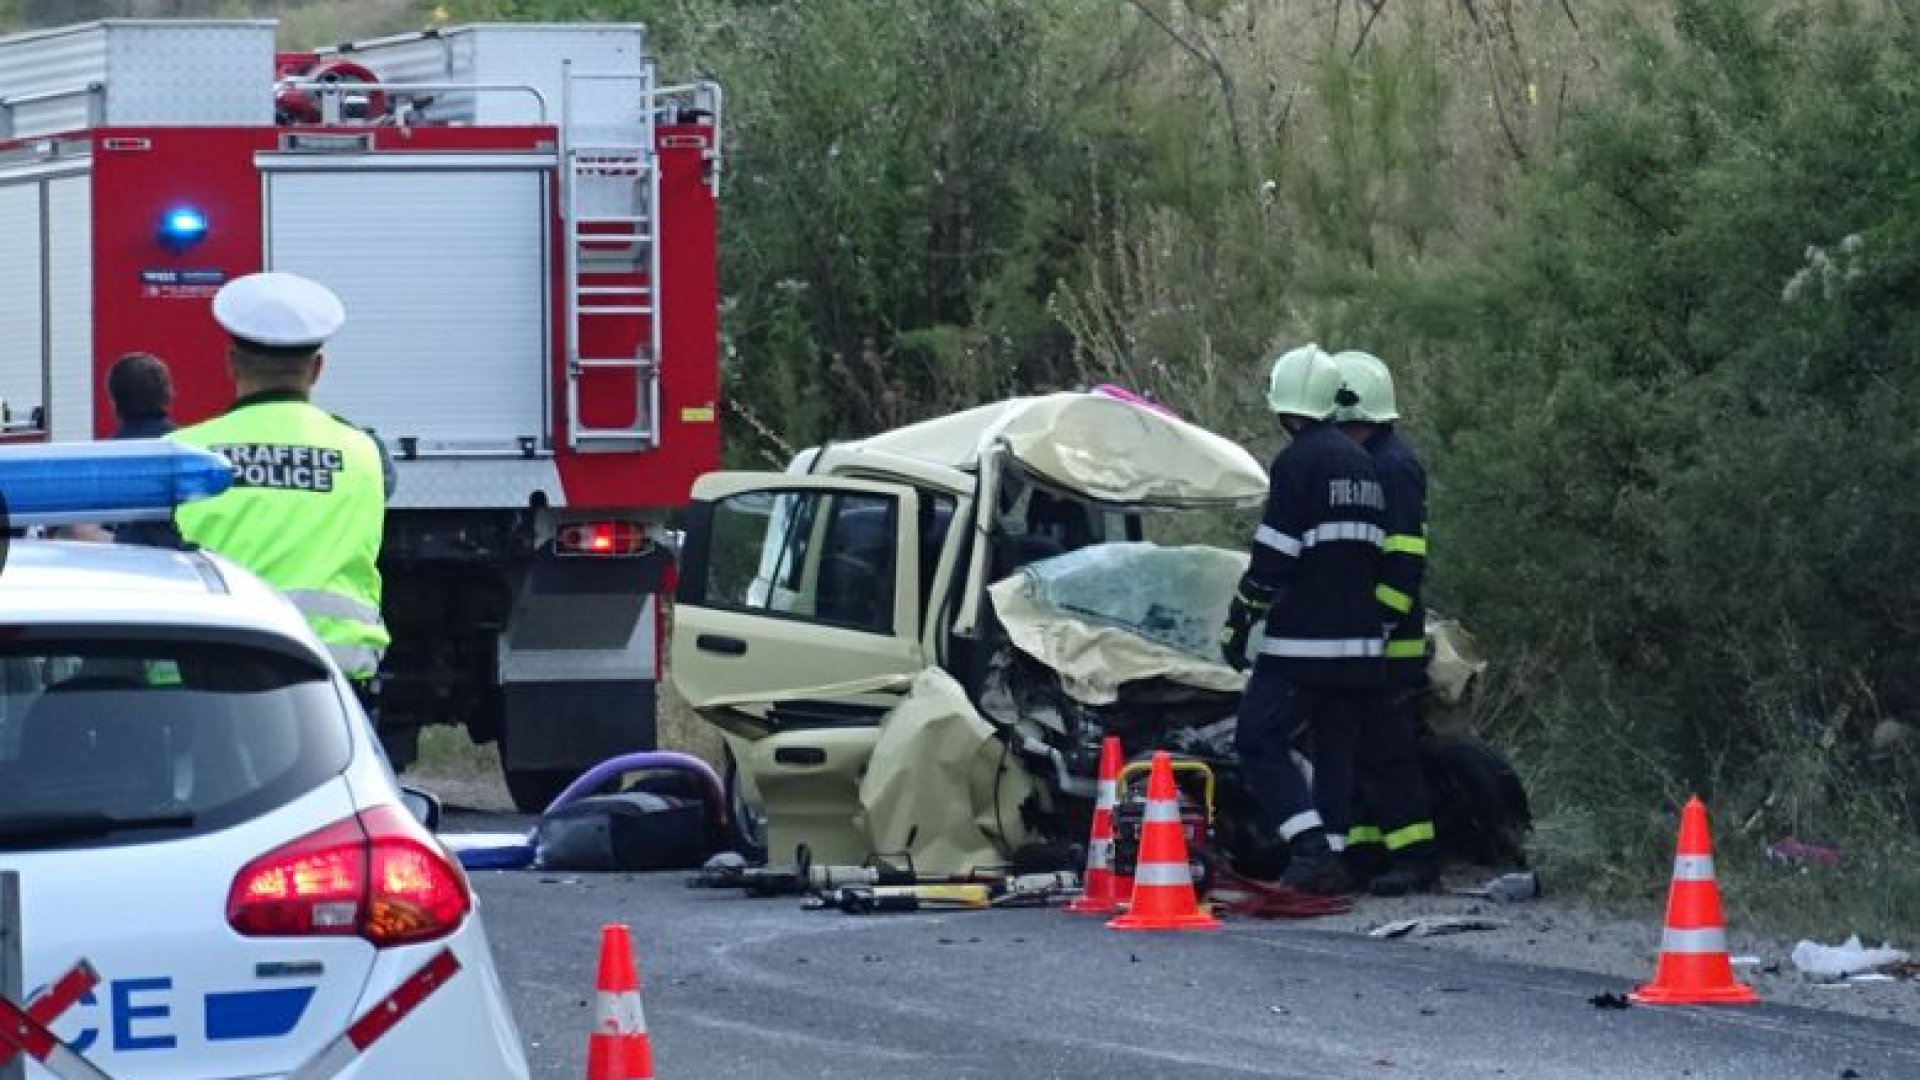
(1304, 382)
(1372, 383)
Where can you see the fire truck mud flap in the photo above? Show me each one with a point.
(578, 671)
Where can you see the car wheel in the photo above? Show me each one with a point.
(749, 823)
(532, 790)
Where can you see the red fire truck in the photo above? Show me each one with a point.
(521, 222)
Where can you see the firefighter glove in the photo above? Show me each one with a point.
(1241, 616)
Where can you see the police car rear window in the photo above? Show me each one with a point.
(118, 741)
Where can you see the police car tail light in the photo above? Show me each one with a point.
(600, 538)
(313, 885)
(416, 892)
(377, 875)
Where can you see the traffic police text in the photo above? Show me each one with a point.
(290, 468)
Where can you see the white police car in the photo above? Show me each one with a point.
(195, 804)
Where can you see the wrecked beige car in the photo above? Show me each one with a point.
(914, 643)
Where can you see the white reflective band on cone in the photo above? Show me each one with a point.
(1163, 874)
(1693, 941)
(1100, 855)
(620, 1014)
(1693, 868)
(1109, 795)
(1162, 813)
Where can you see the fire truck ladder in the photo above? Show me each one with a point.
(611, 185)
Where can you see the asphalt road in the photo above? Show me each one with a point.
(739, 987)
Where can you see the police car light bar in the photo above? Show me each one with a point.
(105, 482)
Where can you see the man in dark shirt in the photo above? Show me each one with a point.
(142, 391)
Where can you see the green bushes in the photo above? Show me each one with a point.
(1676, 438)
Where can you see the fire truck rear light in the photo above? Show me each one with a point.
(601, 538)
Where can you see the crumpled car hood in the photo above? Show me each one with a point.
(1111, 614)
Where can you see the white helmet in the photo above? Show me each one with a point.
(1304, 382)
(1372, 383)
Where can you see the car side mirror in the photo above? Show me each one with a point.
(424, 806)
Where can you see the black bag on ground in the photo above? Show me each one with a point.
(632, 830)
(1481, 812)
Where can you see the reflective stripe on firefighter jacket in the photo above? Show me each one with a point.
(1403, 555)
(1316, 558)
(306, 512)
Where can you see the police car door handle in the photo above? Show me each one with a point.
(726, 646)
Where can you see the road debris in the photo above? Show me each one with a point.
(1270, 900)
(1433, 927)
(1505, 889)
(1841, 961)
(1796, 853)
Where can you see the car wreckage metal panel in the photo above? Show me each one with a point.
(1110, 614)
(1089, 444)
(726, 657)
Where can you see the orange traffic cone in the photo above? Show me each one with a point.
(1162, 881)
(1101, 896)
(1694, 967)
(619, 1048)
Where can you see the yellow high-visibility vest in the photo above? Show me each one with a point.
(306, 512)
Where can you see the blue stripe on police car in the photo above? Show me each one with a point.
(139, 1017)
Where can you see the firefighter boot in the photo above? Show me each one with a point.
(1415, 870)
(1366, 859)
(1314, 867)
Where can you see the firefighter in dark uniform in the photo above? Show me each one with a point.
(1391, 845)
(1315, 562)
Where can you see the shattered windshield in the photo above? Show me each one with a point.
(1172, 596)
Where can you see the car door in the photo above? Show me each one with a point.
(798, 601)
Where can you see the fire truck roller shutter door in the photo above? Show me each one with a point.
(481, 352)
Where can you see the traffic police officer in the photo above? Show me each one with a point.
(307, 508)
(1397, 833)
(1315, 561)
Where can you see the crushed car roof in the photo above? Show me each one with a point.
(1090, 443)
